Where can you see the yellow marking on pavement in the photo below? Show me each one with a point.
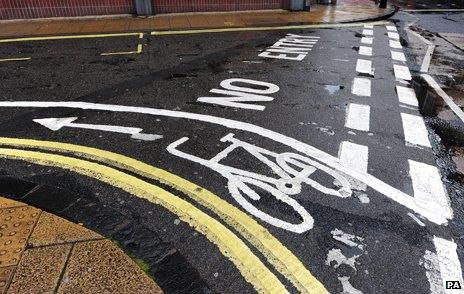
(252, 269)
(275, 252)
(46, 38)
(16, 59)
(295, 27)
(138, 51)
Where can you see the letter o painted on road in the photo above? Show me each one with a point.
(269, 88)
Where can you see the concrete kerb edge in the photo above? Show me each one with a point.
(128, 233)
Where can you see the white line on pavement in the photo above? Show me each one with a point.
(415, 131)
(450, 267)
(367, 40)
(364, 66)
(369, 26)
(429, 192)
(393, 35)
(430, 48)
(357, 117)
(367, 32)
(407, 96)
(391, 28)
(448, 100)
(399, 56)
(361, 87)
(402, 72)
(395, 44)
(363, 50)
(356, 157)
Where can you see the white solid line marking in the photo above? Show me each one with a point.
(331, 161)
(395, 44)
(369, 26)
(16, 59)
(407, 96)
(367, 40)
(399, 56)
(429, 192)
(364, 66)
(363, 50)
(415, 131)
(357, 117)
(393, 35)
(430, 48)
(450, 267)
(449, 101)
(391, 28)
(356, 157)
(367, 32)
(361, 87)
(402, 72)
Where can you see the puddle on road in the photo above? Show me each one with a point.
(333, 88)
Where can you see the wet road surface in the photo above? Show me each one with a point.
(313, 135)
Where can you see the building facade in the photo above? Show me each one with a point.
(27, 9)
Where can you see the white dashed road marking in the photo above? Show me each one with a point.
(402, 72)
(357, 117)
(364, 66)
(407, 96)
(391, 28)
(363, 50)
(429, 192)
(367, 32)
(367, 40)
(395, 44)
(415, 131)
(394, 36)
(361, 87)
(450, 267)
(356, 157)
(398, 56)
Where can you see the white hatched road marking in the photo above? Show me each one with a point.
(367, 40)
(398, 56)
(450, 267)
(402, 72)
(364, 66)
(415, 131)
(361, 87)
(363, 50)
(357, 117)
(367, 32)
(407, 96)
(356, 157)
(393, 35)
(395, 44)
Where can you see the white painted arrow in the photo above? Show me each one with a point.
(55, 124)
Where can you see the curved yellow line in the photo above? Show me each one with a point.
(275, 252)
(252, 269)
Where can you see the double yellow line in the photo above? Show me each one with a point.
(103, 166)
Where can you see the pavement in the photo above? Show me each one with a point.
(344, 11)
(43, 253)
(281, 159)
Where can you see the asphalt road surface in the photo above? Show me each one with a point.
(319, 167)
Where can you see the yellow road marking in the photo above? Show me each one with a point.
(275, 252)
(68, 37)
(252, 269)
(16, 59)
(295, 27)
(138, 51)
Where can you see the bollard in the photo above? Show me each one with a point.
(383, 4)
(143, 7)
